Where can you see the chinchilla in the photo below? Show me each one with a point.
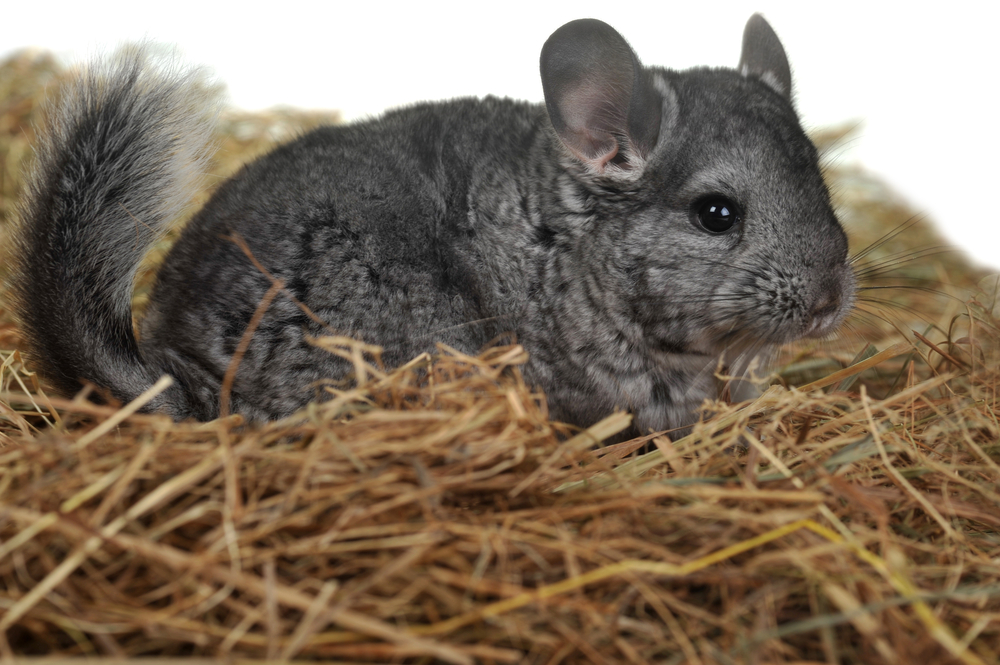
(633, 231)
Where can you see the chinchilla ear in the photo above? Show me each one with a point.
(764, 57)
(601, 100)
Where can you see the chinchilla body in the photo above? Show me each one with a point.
(639, 228)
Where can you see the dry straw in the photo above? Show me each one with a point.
(433, 513)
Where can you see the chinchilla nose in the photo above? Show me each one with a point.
(824, 314)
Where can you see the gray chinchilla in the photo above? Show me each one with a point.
(631, 231)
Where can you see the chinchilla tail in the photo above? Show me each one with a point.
(119, 156)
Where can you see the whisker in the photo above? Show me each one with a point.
(849, 328)
(692, 300)
(899, 326)
(865, 316)
(910, 223)
(749, 270)
(912, 287)
(897, 260)
(467, 324)
(896, 305)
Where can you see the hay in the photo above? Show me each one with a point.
(432, 513)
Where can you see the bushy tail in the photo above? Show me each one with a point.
(118, 158)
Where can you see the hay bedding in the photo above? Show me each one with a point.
(433, 514)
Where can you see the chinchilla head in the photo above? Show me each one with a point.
(698, 191)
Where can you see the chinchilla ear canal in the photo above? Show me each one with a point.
(764, 57)
(600, 99)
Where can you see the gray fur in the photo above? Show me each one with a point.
(462, 222)
(764, 57)
(122, 152)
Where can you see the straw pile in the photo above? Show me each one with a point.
(432, 513)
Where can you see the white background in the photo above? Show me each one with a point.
(922, 83)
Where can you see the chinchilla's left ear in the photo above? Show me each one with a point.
(764, 57)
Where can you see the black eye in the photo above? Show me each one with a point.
(718, 214)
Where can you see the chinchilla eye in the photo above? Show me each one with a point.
(718, 214)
